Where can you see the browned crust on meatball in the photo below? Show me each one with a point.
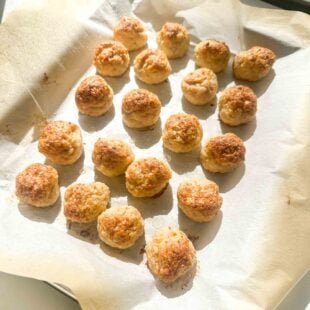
(237, 105)
(147, 177)
(129, 24)
(37, 185)
(61, 142)
(182, 131)
(112, 156)
(227, 148)
(199, 194)
(120, 226)
(84, 202)
(140, 100)
(114, 49)
(253, 64)
(170, 255)
(152, 60)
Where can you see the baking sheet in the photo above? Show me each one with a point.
(256, 249)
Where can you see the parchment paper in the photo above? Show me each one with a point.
(254, 252)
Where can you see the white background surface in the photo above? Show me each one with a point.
(22, 293)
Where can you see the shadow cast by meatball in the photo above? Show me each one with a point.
(180, 287)
(145, 138)
(179, 64)
(226, 181)
(149, 207)
(133, 255)
(115, 184)
(162, 90)
(93, 124)
(182, 162)
(68, 174)
(201, 111)
(118, 82)
(201, 234)
(84, 231)
(261, 86)
(244, 131)
(43, 214)
(224, 78)
(134, 54)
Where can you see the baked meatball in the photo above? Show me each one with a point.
(61, 142)
(223, 153)
(130, 31)
(170, 254)
(199, 199)
(237, 105)
(173, 40)
(147, 177)
(111, 58)
(212, 54)
(37, 185)
(120, 227)
(182, 133)
(253, 64)
(140, 109)
(152, 66)
(112, 157)
(84, 202)
(94, 96)
(200, 87)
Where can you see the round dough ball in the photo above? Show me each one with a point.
(253, 64)
(140, 109)
(112, 157)
(84, 202)
(212, 54)
(120, 227)
(111, 58)
(199, 199)
(37, 185)
(147, 177)
(237, 105)
(152, 66)
(94, 96)
(182, 133)
(223, 153)
(130, 31)
(61, 142)
(200, 87)
(173, 40)
(170, 254)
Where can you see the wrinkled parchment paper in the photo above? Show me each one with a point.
(254, 252)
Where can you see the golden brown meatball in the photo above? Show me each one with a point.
(170, 254)
(223, 153)
(120, 227)
(200, 87)
(253, 64)
(112, 157)
(152, 66)
(147, 177)
(130, 31)
(182, 133)
(61, 142)
(94, 96)
(111, 58)
(212, 54)
(199, 199)
(84, 202)
(237, 105)
(173, 40)
(140, 109)
(37, 185)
